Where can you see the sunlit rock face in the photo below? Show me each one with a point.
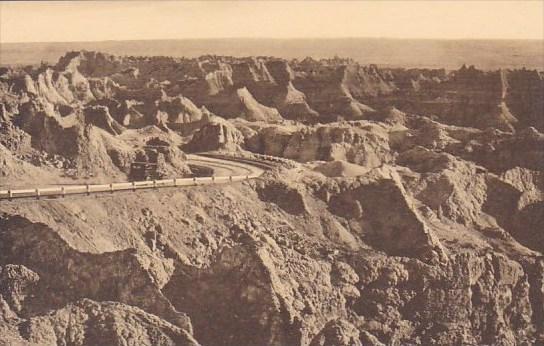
(407, 208)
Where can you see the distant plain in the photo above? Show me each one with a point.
(409, 53)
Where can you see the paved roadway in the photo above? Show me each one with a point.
(225, 170)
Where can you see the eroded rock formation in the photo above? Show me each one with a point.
(410, 212)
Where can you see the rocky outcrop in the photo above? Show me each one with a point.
(62, 88)
(340, 332)
(309, 91)
(181, 112)
(286, 276)
(287, 197)
(523, 97)
(340, 169)
(384, 214)
(477, 304)
(17, 281)
(474, 98)
(224, 314)
(327, 93)
(291, 102)
(216, 135)
(99, 116)
(361, 143)
(493, 149)
(72, 275)
(419, 223)
(253, 111)
(14, 170)
(501, 152)
(90, 322)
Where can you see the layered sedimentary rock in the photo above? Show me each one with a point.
(90, 322)
(308, 90)
(291, 102)
(218, 134)
(328, 93)
(475, 98)
(362, 143)
(413, 215)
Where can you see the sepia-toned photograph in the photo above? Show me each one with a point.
(272, 173)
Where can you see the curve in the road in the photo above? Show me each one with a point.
(223, 166)
(225, 170)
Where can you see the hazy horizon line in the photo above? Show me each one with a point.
(284, 39)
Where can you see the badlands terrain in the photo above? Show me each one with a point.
(407, 53)
(410, 209)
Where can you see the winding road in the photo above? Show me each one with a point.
(225, 169)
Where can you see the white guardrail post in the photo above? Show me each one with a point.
(62, 191)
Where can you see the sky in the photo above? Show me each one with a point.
(65, 21)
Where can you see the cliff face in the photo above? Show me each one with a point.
(362, 143)
(218, 134)
(309, 90)
(411, 212)
(522, 97)
(469, 97)
(289, 101)
(328, 91)
(361, 253)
